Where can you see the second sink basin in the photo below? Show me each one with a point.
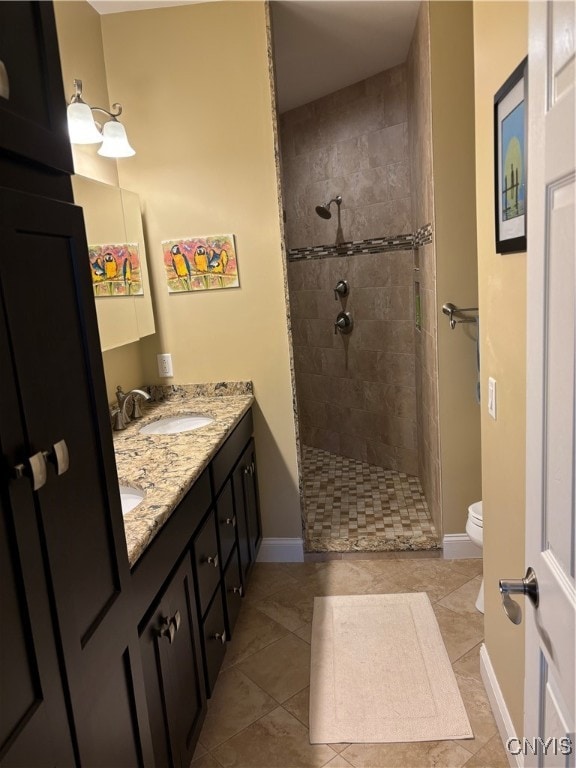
(130, 498)
(171, 425)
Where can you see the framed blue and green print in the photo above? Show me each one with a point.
(510, 123)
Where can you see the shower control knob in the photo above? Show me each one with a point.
(342, 289)
(344, 323)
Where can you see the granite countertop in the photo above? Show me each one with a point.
(166, 466)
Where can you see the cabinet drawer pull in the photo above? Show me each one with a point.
(231, 521)
(167, 629)
(213, 561)
(4, 82)
(59, 457)
(35, 469)
(221, 637)
(237, 590)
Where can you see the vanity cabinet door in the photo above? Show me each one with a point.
(34, 726)
(173, 676)
(247, 509)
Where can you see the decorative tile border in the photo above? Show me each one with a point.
(372, 245)
(423, 236)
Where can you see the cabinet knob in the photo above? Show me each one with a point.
(167, 629)
(249, 469)
(59, 457)
(237, 591)
(34, 468)
(176, 621)
(231, 521)
(213, 560)
(221, 637)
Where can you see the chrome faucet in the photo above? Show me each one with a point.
(128, 406)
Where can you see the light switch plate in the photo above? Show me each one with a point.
(492, 397)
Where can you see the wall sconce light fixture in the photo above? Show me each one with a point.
(83, 129)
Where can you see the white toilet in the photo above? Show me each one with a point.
(475, 530)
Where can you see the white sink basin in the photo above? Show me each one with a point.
(130, 498)
(171, 425)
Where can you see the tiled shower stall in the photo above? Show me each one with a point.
(357, 393)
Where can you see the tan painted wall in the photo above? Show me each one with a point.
(194, 84)
(452, 70)
(82, 58)
(500, 44)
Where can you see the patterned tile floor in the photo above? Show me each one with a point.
(354, 506)
(258, 714)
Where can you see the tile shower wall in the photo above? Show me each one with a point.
(356, 393)
(353, 143)
(420, 144)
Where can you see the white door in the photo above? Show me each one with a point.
(550, 468)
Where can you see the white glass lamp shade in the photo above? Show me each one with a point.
(81, 126)
(115, 142)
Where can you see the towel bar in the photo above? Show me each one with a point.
(451, 310)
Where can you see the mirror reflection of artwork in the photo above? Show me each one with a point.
(115, 269)
(200, 263)
(513, 182)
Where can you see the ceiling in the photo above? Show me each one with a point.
(321, 46)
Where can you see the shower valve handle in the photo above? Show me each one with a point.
(342, 289)
(344, 323)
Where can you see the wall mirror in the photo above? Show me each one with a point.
(113, 222)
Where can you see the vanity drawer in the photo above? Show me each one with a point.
(214, 639)
(224, 461)
(226, 517)
(206, 562)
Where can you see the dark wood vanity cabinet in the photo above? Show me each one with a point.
(172, 665)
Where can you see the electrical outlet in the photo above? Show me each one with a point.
(492, 397)
(165, 365)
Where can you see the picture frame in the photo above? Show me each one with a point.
(510, 166)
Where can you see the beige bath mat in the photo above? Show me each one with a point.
(380, 672)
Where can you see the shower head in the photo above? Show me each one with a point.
(324, 210)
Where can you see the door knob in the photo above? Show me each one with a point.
(527, 586)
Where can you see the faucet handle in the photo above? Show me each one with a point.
(118, 422)
(120, 395)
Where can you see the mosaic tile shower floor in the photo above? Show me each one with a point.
(352, 506)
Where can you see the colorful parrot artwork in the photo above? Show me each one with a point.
(181, 265)
(200, 263)
(115, 269)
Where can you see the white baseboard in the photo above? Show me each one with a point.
(499, 708)
(281, 551)
(457, 546)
